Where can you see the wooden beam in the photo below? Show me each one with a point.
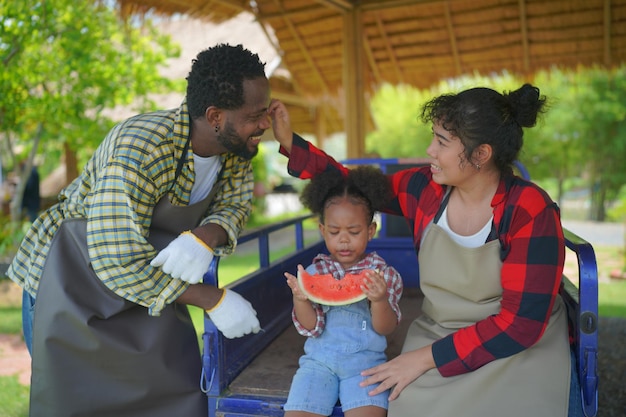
(372, 61)
(389, 49)
(298, 98)
(354, 115)
(276, 47)
(304, 50)
(524, 35)
(369, 5)
(294, 99)
(452, 36)
(233, 4)
(607, 33)
(305, 11)
(339, 5)
(319, 123)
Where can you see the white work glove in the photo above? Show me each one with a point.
(234, 316)
(186, 258)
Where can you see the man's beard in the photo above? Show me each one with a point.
(230, 140)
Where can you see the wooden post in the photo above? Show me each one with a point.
(355, 113)
(320, 125)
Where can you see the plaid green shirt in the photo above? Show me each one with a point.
(117, 191)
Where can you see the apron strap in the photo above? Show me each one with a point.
(181, 162)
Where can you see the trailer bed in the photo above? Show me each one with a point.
(251, 376)
(271, 372)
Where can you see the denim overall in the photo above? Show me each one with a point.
(331, 366)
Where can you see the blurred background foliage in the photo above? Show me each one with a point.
(579, 144)
(68, 63)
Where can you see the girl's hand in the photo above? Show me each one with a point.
(292, 281)
(374, 286)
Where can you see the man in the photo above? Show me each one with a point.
(106, 269)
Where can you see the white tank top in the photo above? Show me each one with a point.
(206, 170)
(472, 241)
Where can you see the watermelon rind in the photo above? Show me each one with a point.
(325, 289)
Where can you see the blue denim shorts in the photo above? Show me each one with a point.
(28, 311)
(315, 387)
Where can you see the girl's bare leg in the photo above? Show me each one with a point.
(367, 411)
(301, 414)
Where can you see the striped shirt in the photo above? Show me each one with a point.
(132, 169)
(528, 226)
(323, 264)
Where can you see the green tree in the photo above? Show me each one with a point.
(64, 61)
(399, 132)
(603, 109)
(553, 149)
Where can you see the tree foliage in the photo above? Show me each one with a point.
(602, 101)
(553, 149)
(397, 111)
(64, 61)
(399, 132)
(582, 133)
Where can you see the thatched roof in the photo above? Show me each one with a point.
(338, 52)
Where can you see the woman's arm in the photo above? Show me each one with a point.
(399, 372)
(305, 160)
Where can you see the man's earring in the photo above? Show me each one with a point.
(217, 128)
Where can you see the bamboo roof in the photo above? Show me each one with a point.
(338, 52)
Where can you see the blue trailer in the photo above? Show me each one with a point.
(250, 376)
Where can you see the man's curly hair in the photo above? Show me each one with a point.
(217, 75)
(365, 185)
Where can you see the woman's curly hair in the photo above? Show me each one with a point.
(482, 115)
(365, 185)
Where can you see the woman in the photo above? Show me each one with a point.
(492, 339)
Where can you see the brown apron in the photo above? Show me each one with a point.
(96, 354)
(458, 291)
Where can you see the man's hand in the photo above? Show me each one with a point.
(234, 316)
(186, 258)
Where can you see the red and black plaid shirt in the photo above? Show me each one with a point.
(528, 225)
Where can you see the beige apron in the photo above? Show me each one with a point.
(459, 290)
(96, 354)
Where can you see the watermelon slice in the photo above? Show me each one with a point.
(325, 289)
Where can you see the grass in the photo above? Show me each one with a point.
(13, 397)
(612, 299)
(10, 320)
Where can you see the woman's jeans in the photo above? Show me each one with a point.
(28, 308)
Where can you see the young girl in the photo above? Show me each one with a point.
(344, 340)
